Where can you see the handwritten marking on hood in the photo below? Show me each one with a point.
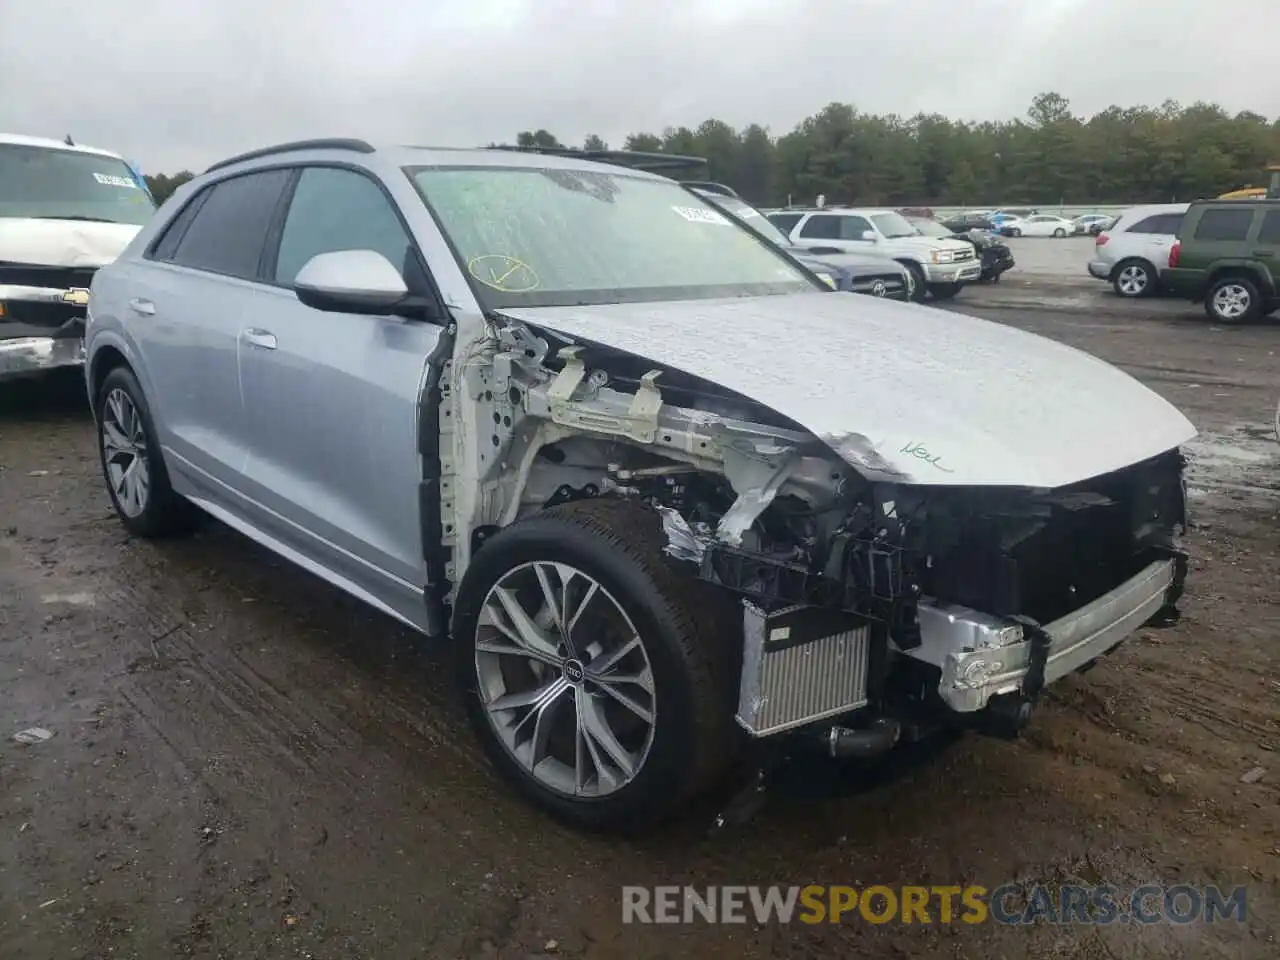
(920, 452)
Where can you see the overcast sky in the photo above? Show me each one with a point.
(181, 83)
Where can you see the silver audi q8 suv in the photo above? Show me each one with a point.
(668, 495)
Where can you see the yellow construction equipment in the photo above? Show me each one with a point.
(1253, 193)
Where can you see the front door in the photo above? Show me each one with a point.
(331, 400)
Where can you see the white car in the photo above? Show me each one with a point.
(1129, 254)
(938, 265)
(1039, 225)
(1086, 223)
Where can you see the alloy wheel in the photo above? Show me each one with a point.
(1133, 280)
(565, 680)
(1231, 301)
(124, 451)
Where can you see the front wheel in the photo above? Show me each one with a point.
(1059, 234)
(593, 670)
(1233, 300)
(944, 291)
(917, 289)
(1015, 232)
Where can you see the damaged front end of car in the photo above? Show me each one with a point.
(871, 609)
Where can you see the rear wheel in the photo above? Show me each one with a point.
(592, 669)
(1233, 300)
(944, 291)
(137, 480)
(1134, 278)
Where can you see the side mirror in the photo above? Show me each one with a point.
(350, 281)
(870, 236)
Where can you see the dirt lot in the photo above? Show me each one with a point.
(245, 763)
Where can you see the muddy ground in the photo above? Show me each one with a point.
(246, 763)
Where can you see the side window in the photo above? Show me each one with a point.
(165, 247)
(1222, 223)
(821, 226)
(1169, 223)
(335, 209)
(1270, 232)
(230, 228)
(1157, 223)
(851, 228)
(786, 222)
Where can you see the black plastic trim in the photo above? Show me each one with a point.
(329, 143)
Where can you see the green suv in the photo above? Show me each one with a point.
(1228, 255)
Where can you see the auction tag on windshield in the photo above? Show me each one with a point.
(111, 180)
(701, 215)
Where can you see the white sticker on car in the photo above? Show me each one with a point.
(701, 215)
(112, 180)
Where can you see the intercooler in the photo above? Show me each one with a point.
(800, 664)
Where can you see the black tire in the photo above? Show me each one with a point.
(1015, 232)
(1059, 234)
(689, 636)
(1245, 296)
(944, 291)
(919, 289)
(1134, 278)
(164, 513)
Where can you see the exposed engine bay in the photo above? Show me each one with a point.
(856, 594)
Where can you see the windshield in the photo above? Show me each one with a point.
(893, 225)
(753, 218)
(554, 237)
(49, 184)
(930, 228)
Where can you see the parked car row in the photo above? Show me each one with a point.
(1220, 252)
(939, 264)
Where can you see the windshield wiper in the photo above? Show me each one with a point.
(84, 219)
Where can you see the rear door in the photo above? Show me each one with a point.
(1223, 232)
(331, 399)
(1154, 236)
(182, 304)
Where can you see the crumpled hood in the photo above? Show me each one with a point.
(900, 391)
(63, 243)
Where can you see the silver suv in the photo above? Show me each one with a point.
(1130, 253)
(940, 266)
(668, 495)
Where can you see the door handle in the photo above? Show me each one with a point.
(144, 307)
(1264, 253)
(260, 338)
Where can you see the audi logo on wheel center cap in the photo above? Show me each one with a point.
(574, 672)
(878, 289)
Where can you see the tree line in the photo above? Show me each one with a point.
(1120, 155)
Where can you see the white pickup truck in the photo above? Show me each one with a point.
(65, 210)
(938, 265)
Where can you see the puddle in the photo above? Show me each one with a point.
(72, 599)
(1244, 459)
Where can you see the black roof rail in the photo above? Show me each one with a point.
(637, 160)
(710, 186)
(324, 143)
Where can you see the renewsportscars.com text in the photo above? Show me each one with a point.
(1012, 903)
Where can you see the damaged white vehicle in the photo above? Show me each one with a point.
(65, 210)
(673, 500)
